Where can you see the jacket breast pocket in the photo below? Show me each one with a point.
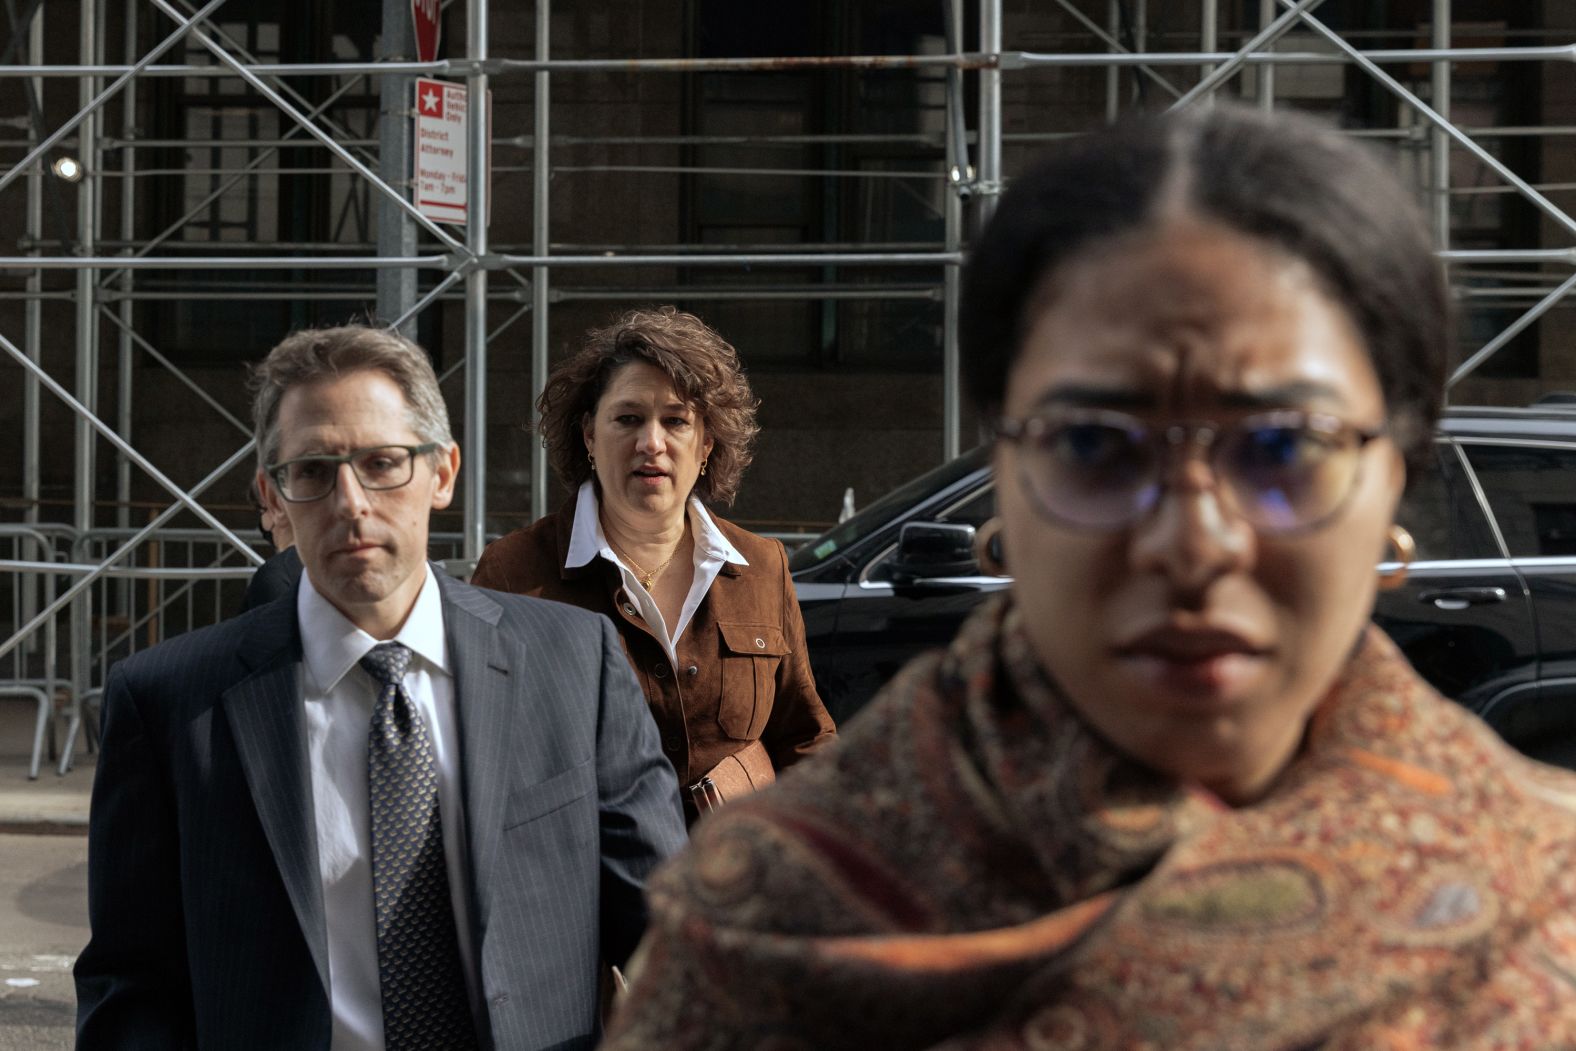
(750, 656)
(535, 801)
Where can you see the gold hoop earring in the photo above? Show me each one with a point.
(703, 468)
(987, 549)
(1405, 551)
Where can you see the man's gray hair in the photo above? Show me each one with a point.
(317, 354)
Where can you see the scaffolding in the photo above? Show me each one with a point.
(112, 274)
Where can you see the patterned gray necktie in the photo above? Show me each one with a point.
(425, 1005)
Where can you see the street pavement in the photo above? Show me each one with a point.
(43, 888)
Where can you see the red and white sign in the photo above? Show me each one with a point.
(441, 120)
(424, 14)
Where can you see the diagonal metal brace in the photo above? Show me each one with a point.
(1268, 35)
(284, 105)
(83, 583)
(1396, 88)
(126, 448)
(104, 96)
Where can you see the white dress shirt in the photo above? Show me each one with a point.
(339, 696)
(712, 549)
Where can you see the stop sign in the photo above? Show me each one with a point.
(424, 13)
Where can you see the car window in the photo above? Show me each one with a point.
(1532, 492)
(1442, 512)
(872, 518)
(974, 510)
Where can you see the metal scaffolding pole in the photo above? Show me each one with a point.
(476, 192)
(1205, 88)
(447, 263)
(128, 230)
(306, 124)
(88, 71)
(988, 179)
(1208, 34)
(1140, 17)
(541, 185)
(1440, 141)
(957, 161)
(123, 358)
(396, 288)
(32, 324)
(219, 191)
(86, 308)
(1396, 88)
(82, 583)
(1266, 74)
(1543, 306)
(1113, 74)
(82, 412)
(1005, 60)
(197, 262)
(323, 291)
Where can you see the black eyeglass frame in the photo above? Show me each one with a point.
(275, 469)
(1202, 434)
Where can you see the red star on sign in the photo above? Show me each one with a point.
(432, 102)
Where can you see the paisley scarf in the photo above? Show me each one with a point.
(973, 868)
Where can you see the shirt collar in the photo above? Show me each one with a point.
(587, 541)
(331, 645)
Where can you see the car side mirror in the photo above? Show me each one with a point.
(934, 549)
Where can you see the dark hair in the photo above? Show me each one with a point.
(316, 354)
(705, 372)
(1285, 178)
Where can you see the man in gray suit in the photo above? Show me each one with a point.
(389, 810)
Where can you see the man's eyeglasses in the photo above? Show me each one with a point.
(308, 478)
(1283, 471)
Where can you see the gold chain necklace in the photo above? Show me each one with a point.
(646, 579)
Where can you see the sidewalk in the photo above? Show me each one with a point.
(53, 802)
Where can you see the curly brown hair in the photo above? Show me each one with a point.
(704, 369)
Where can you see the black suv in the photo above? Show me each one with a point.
(1487, 613)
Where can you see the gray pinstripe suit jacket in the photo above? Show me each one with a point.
(203, 887)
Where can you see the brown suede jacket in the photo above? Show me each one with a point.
(743, 671)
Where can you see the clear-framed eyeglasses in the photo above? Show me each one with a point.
(379, 467)
(1282, 471)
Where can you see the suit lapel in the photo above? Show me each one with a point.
(482, 697)
(266, 718)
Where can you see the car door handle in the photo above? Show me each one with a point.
(1460, 598)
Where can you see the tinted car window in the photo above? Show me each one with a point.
(975, 510)
(1442, 512)
(1532, 492)
(873, 517)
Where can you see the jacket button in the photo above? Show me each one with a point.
(500, 999)
(629, 611)
(660, 671)
(760, 644)
(692, 671)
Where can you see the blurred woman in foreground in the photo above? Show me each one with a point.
(1173, 790)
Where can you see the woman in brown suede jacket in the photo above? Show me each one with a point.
(650, 418)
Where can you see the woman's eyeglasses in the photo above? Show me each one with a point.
(308, 478)
(1282, 471)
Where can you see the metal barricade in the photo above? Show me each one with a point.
(183, 579)
(29, 668)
